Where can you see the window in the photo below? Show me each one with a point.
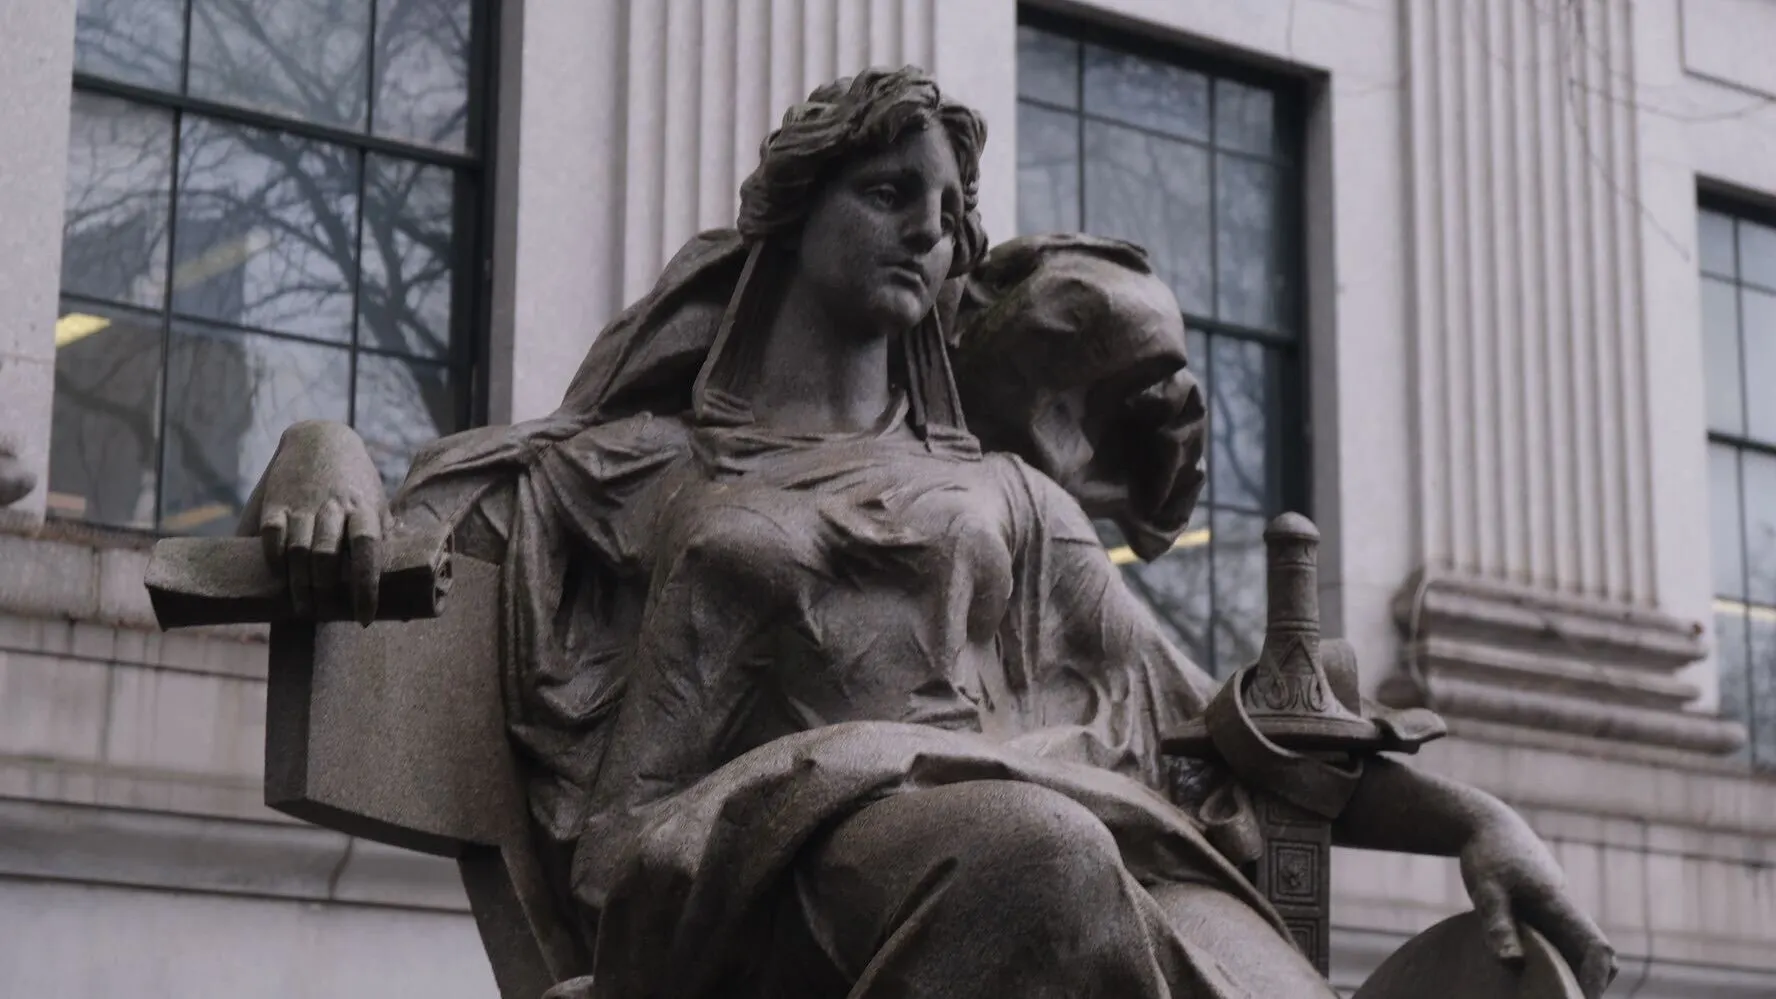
(272, 214)
(1197, 163)
(1738, 261)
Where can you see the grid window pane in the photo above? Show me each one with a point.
(1178, 588)
(1241, 405)
(266, 230)
(1725, 521)
(401, 406)
(1138, 155)
(1757, 328)
(1154, 192)
(1048, 170)
(1245, 118)
(1720, 346)
(1238, 542)
(104, 430)
(1715, 244)
(1757, 254)
(1146, 93)
(1248, 280)
(1761, 672)
(422, 71)
(230, 397)
(404, 292)
(1757, 473)
(114, 220)
(1048, 67)
(303, 58)
(1731, 656)
(134, 41)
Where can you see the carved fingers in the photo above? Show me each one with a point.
(1514, 882)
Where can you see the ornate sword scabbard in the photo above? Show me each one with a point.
(1286, 728)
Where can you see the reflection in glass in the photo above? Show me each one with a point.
(1720, 340)
(1047, 68)
(1178, 586)
(266, 230)
(1761, 671)
(135, 41)
(1724, 521)
(401, 407)
(1048, 171)
(1238, 543)
(1153, 192)
(1249, 278)
(1146, 92)
(1240, 409)
(1757, 320)
(114, 220)
(1245, 118)
(1757, 254)
(229, 398)
(1758, 480)
(303, 58)
(1714, 240)
(422, 71)
(1730, 653)
(107, 391)
(404, 293)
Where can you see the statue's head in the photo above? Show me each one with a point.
(870, 189)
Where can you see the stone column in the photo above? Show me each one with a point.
(1538, 598)
(36, 63)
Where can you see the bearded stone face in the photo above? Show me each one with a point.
(1069, 352)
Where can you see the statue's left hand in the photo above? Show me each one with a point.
(1512, 877)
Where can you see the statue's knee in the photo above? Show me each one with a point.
(1029, 840)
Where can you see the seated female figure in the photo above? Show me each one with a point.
(823, 698)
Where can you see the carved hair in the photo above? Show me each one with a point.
(852, 117)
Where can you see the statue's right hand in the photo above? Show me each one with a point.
(323, 515)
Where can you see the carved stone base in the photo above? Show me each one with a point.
(1507, 653)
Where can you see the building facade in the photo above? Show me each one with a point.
(1487, 288)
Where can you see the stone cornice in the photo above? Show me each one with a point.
(1507, 653)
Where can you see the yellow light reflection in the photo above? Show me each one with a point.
(1189, 539)
(77, 326)
(197, 516)
(1727, 605)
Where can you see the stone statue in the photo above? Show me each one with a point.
(819, 689)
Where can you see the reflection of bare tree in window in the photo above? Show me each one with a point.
(271, 236)
(1239, 422)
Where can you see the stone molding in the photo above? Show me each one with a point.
(194, 854)
(1502, 652)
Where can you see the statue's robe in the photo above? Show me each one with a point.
(720, 641)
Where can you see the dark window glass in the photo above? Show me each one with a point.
(269, 217)
(422, 71)
(105, 430)
(1154, 191)
(266, 230)
(120, 178)
(131, 41)
(1193, 165)
(1737, 258)
(1146, 93)
(1048, 68)
(1720, 342)
(302, 58)
(1048, 170)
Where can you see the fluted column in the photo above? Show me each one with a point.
(36, 63)
(1537, 600)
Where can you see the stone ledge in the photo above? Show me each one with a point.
(1502, 652)
(109, 846)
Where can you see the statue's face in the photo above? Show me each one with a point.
(879, 240)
